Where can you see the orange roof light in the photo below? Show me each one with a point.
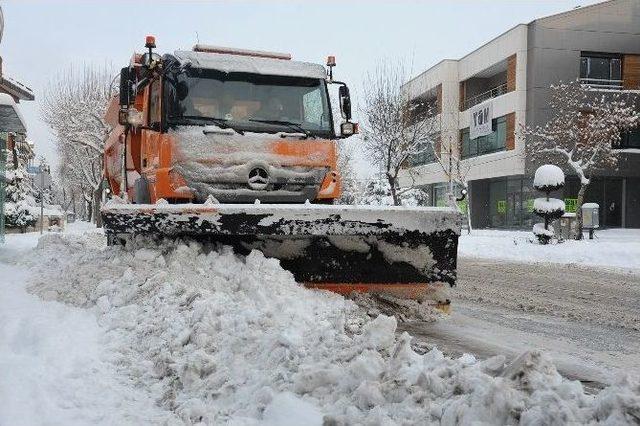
(331, 61)
(150, 42)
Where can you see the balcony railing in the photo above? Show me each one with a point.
(492, 93)
(602, 83)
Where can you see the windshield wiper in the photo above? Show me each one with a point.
(290, 124)
(220, 122)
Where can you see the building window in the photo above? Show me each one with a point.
(493, 142)
(425, 153)
(630, 139)
(601, 69)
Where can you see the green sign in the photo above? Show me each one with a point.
(570, 205)
(502, 206)
(462, 205)
(530, 205)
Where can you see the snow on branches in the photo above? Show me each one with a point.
(583, 131)
(394, 127)
(74, 107)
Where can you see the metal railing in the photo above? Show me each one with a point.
(602, 83)
(491, 93)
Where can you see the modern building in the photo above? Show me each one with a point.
(507, 82)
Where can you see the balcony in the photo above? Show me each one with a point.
(489, 94)
(602, 83)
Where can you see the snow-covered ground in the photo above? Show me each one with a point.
(611, 248)
(185, 334)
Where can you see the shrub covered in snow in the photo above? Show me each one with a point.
(217, 338)
(20, 201)
(548, 178)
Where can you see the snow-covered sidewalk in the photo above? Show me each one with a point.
(612, 248)
(52, 365)
(187, 334)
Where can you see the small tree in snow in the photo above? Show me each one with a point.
(583, 131)
(548, 178)
(20, 201)
(394, 128)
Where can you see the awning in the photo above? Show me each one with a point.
(10, 118)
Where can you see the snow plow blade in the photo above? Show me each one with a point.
(405, 252)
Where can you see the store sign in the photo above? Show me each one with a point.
(480, 117)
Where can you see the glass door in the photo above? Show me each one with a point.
(613, 203)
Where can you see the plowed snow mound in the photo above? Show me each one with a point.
(219, 338)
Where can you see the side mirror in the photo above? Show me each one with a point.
(345, 102)
(348, 129)
(126, 89)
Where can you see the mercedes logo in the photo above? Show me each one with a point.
(258, 178)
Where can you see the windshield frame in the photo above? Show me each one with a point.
(171, 102)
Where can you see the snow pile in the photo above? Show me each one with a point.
(612, 248)
(548, 176)
(547, 206)
(217, 338)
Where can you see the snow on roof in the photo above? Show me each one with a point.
(10, 117)
(254, 65)
(16, 88)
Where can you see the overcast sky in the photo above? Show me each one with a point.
(44, 37)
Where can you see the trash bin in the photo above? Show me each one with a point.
(590, 217)
(565, 228)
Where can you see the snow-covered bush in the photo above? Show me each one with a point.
(20, 201)
(548, 178)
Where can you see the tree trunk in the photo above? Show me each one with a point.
(97, 199)
(394, 192)
(88, 210)
(579, 201)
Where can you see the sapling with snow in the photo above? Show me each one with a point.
(548, 178)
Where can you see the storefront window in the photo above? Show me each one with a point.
(498, 203)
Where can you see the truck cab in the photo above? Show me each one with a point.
(230, 125)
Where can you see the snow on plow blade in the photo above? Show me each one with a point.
(402, 251)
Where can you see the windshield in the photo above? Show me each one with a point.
(250, 102)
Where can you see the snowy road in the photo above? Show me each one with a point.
(587, 319)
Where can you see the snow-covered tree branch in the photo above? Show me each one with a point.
(584, 129)
(394, 127)
(74, 106)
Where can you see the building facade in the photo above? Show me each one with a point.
(507, 82)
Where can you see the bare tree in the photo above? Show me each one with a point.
(455, 171)
(395, 128)
(585, 127)
(74, 106)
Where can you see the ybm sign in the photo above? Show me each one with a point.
(480, 120)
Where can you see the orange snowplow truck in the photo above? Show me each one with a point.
(239, 147)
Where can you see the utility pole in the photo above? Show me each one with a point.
(43, 168)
